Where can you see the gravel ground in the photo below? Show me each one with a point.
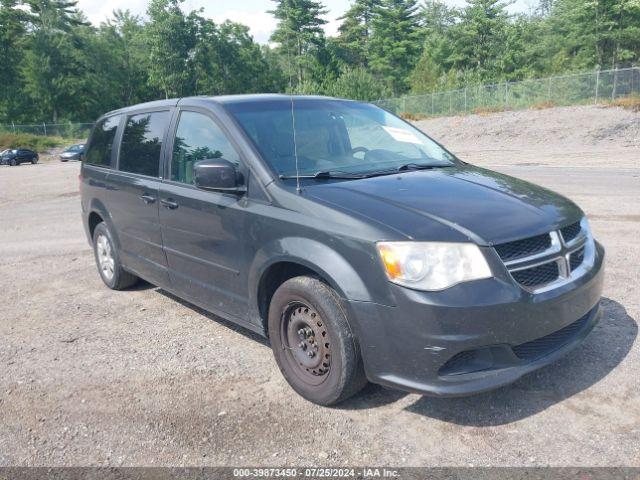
(95, 377)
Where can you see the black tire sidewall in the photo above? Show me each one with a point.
(326, 303)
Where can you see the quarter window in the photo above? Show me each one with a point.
(99, 152)
(198, 138)
(142, 143)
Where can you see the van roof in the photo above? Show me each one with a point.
(220, 99)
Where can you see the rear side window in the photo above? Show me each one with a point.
(198, 138)
(99, 152)
(142, 143)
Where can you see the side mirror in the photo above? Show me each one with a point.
(217, 174)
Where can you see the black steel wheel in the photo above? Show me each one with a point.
(312, 341)
(306, 342)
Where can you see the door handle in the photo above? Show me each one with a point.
(168, 203)
(146, 198)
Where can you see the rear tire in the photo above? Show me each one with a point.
(312, 342)
(107, 258)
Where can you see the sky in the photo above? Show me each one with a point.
(252, 13)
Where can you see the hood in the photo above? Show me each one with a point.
(451, 203)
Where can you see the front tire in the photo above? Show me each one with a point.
(108, 261)
(13, 162)
(312, 342)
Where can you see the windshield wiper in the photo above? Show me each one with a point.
(420, 166)
(404, 168)
(325, 174)
(329, 174)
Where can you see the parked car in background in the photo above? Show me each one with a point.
(74, 152)
(16, 156)
(363, 249)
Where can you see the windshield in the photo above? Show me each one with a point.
(335, 136)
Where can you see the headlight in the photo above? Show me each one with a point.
(432, 265)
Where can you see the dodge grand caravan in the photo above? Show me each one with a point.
(363, 249)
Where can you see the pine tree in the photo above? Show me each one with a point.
(395, 42)
(299, 34)
(355, 31)
(604, 33)
(49, 70)
(12, 36)
(479, 38)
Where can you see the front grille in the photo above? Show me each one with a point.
(536, 276)
(523, 248)
(576, 258)
(548, 344)
(570, 231)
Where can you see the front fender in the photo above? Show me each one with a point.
(328, 263)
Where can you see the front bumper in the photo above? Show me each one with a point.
(461, 341)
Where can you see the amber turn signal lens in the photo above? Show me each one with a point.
(391, 262)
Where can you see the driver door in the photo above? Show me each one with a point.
(203, 231)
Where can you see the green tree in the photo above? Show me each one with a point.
(12, 37)
(433, 69)
(171, 38)
(358, 84)
(299, 35)
(355, 32)
(49, 71)
(395, 42)
(479, 38)
(227, 60)
(124, 36)
(603, 33)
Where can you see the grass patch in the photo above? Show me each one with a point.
(37, 143)
(629, 103)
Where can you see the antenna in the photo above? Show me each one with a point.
(293, 115)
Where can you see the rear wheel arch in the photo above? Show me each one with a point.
(99, 213)
(93, 220)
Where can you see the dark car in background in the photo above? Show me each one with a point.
(362, 248)
(74, 152)
(16, 156)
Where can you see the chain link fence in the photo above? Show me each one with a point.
(64, 130)
(575, 89)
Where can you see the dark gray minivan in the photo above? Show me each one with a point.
(362, 248)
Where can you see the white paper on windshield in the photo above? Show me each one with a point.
(402, 135)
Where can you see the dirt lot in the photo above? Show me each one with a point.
(89, 376)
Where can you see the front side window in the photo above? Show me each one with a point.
(142, 143)
(335, 136)
(99, 151)
(198, 138)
